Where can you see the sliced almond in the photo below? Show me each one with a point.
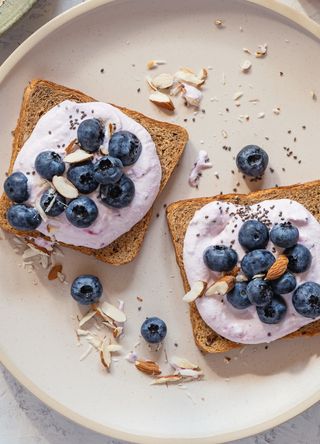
(218, 23)
(203, 74)
(113, 312)
(41, 211)
(150, 83)
(198, 288)
(259, 276)
(161, 100)
(222, 286)
(224, 134)
(81, 332)
(188, 77)
(167, 379)
(114, 348)
(71, 147)
(105, 355)
(148, 367)
(65, 187)
(278, 268)
(261, 115)
(246, 50)
(237, 95)
(87, 318)
(117, 332)
(53, 273)
(190, 373)
(151, 64)
(163, 81)
(261, 51)
(246, 66)
(178, 362)
(176, 89)
(77, 156)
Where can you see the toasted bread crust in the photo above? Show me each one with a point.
(180, 213)
(170, 140)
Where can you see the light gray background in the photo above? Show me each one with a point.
(26, 420)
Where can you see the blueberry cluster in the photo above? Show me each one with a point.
(116, 189)
(266, 295)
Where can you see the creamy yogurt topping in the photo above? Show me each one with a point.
(219, 222)
(53, 132)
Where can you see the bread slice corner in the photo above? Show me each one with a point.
(179, 215)
(170, 140)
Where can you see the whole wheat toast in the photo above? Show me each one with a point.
(39, 97)
(180, 213)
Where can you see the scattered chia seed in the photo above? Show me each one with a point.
(102, 70)
(227, 110)
(185, 120)
(294, 139)
(232, 171)
(33, 173)
(269, 334)
(283, 169)
(138, 90)
(203, 111)
(92, 111)
(164, 205)
(27, 173)
(176, 345)
(206, 217)
(266, 347)
(304, 127)
(157, 215)
(267, 138)
(139, 308)
(271, 170)
(49, 132)
(281, 74)
(289, 131)
(235, 190)
(193, 119)
(198, 234)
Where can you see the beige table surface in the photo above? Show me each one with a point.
(26, 420)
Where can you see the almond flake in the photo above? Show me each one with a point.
(219, 23)
(40, 210)
(154, 63)
(246, 66)
(262, 50)
(166, 379)
(224, 134)
(258, 276)
(161, 100)
(261, 115)
(313, 95)
(198, 288)
(191, 95)
(65, 187)
(246, 50)
(81, 332)
(53, 273)
(177, 88)
(185, 76)
(163, 81)
(77, 156)
(188, 372)
(117, 332)
(71, 147)
(238, 95)
(178, 362)
(150, 83)
(87, 318)
(148, 367)
(203, 74)
(96, 342)
(105, 355)
(113, 312)
(221, 286)
(113, 348)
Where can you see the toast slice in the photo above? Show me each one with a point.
(39, 97)
(180, 213)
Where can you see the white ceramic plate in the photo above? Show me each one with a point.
(258, 388)
(11, 11)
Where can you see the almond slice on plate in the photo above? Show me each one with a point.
(163, 81)
(188, 77)
(162, 100)
(203, 74)
(87, 317)
(53, 273)
(71, 147)
(246, 66)
(65, 187)
(105, 355)
(178, 362)
(198, 288)
(77, 156)
(112, 348)
(150, 83)
(221, 286)
(148, 367)
(278, 268)
(154, 63)
(166, 379)
(113, 312)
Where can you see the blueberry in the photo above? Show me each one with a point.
(82, 177)
(257, 262)
(238, 296)
(125, 146)
(153, 330)
(82, 212)
(284, 235)
(23, 218)
(90, 135)
(49, 164)
(52, 203)
(108, 170)
(273, 312)
(285, 284)
(299, 258)
(306, 300)
(16, 187)
(220, 258)
(252, 160)
(86, 289)
(259, 292)
(118, 195)
(253, 235)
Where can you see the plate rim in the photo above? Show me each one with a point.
(274, 5)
